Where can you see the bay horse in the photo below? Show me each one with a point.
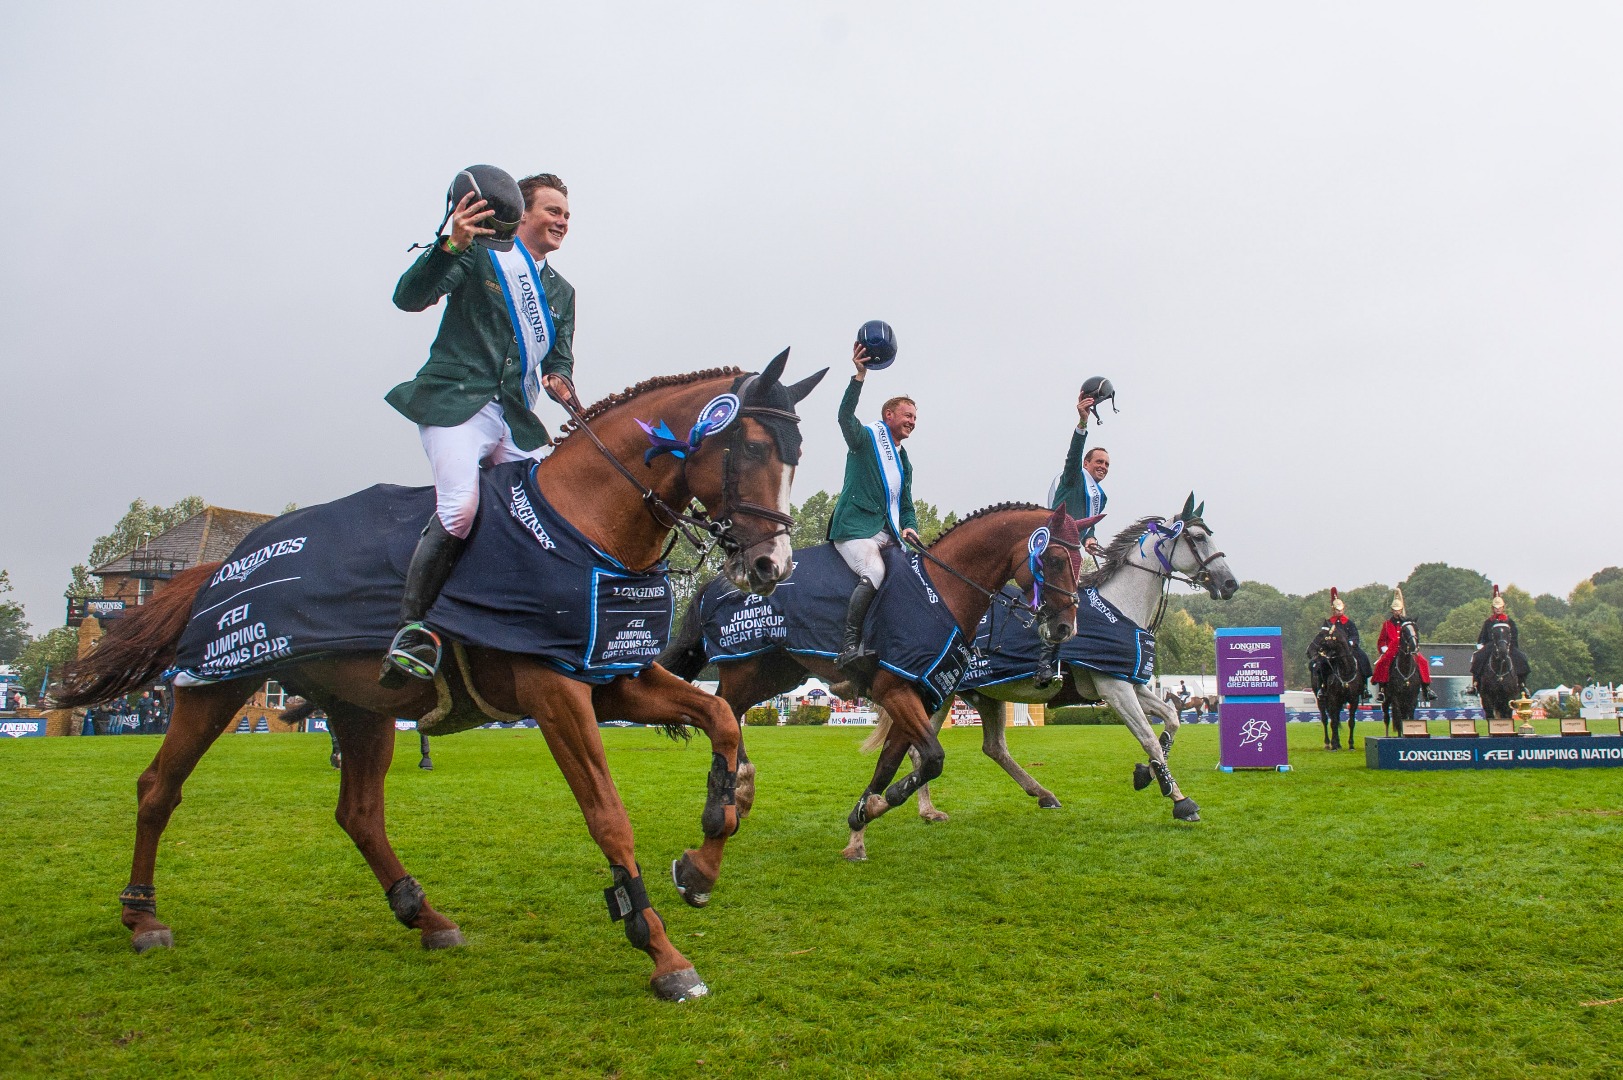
(1499, 684)
(1403, 681)
(1341, 683)
(743, 475)
(1134, 578)
(984, 550)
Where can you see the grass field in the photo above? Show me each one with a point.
(1331, 922)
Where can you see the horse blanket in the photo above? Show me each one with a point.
(908, 626)
(1106, 641)
(327, 579)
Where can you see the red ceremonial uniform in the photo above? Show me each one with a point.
(1387, 644)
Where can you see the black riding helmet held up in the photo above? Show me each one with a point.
(501, 194)
(1099, 389)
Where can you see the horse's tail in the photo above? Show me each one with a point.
(876, 741)
(137, 648)
(684, 656)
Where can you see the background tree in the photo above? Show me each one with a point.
(49, 651)
(13, 623)
(1432, 590)
(1184, 647)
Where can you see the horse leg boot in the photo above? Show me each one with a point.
(415, 651)
(658, 697)
(563, 710)
(368, 748)
(851, 655)
(1122, 696)
(201, 715)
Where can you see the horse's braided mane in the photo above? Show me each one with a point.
(995, 508)
(656, 383)
(1115, 553)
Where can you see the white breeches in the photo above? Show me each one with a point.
(455, 454)
(863, 556)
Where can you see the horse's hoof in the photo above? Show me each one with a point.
(855, 854)
(426, 764)
(691, 885)
(153, 939)
(679, 985)
(1186, 809)
(1048, 802)
(1141, 776)
(443, 939)
(933, 815)
(336, 761)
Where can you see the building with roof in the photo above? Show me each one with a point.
(207, 536)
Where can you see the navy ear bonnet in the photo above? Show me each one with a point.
(767, 401)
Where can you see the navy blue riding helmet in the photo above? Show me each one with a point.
(880, 340)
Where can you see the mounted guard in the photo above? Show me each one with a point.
(507, 335)
(1498, 617)
(1387, 647)
(1340, 670)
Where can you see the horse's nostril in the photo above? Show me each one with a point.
(763, 566)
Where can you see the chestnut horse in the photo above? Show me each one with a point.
(742, 474)
(984, 550)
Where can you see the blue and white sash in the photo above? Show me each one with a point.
(520, 278)
(890, 473)
(1095, 495)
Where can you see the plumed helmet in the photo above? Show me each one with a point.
(1498, 601)
(1397, 601)
(1335, 601)
(500, 191)
(1100, 390)
(879, 339)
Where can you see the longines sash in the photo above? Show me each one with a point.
(1095, 495)
(520, 278)
(890, 472)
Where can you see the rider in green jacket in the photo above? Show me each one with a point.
(875, 507)
(500, 343)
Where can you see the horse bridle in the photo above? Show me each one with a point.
(689, 524)
(1334, 662)
(1026, 615)
(1200, 579)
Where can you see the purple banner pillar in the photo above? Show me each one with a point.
(1252, 734)
(1250, 677)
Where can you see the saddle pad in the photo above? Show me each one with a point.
(1106, 641)
(327, 579)
(908, 627)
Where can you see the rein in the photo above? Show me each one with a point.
(1024, 614)
(688, 525)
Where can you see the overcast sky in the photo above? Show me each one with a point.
(1354, 269)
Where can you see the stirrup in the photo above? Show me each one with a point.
(414, 652)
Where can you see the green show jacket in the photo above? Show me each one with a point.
(1071, 492)
(475, 357)
(860, 511)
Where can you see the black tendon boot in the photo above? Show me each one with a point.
(851, 654)
(415, 652)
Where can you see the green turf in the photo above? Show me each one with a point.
(1330, 922)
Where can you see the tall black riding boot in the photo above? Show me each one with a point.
(851, 653)
(1047, 666)
(416, 649)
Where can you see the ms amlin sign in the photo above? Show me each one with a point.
(1250, 679)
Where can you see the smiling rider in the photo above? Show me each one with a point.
(500, 343)
(875, 507)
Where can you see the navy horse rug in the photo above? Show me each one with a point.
(909, 627)
(1106, 641)
(327, 580)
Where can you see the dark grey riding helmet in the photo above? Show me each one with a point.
(1099, 389)
(500, 191)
